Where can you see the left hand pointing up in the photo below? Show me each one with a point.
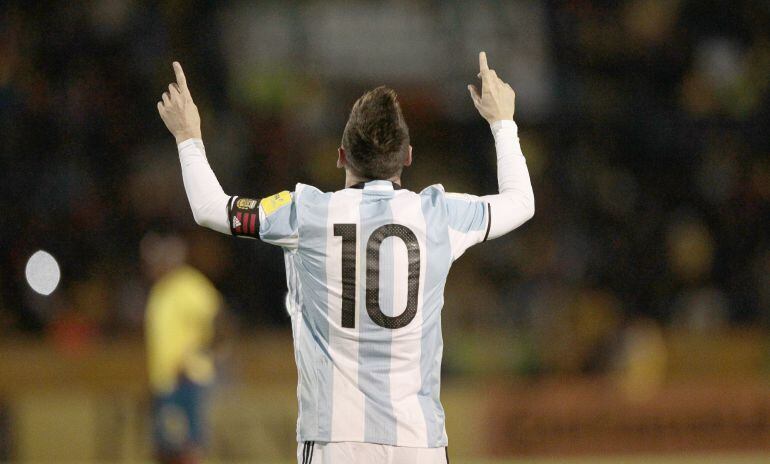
(178, 110)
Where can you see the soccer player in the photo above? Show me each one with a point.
(182, 309)
(366, 268)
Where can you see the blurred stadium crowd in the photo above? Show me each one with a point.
(645, 125)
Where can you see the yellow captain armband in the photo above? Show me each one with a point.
(272, 203)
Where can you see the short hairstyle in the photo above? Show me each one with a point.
(376, 137)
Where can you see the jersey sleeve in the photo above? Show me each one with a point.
(272, 219)
(468, 219)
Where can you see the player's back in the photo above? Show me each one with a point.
(366, 266)
(366, 269)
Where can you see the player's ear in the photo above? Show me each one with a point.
(408, 158)
(341, 159)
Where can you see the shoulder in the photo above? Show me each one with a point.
(434, 192)
(431, 189)
(433, 201)
(308, 199)
(462, 202)
(462, 197)
(439, 197)
(307, 192)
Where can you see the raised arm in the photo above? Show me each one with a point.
(515, 202)
(209, 203)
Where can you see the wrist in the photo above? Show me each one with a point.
(502, 126)
(502, 122)
(181, 136)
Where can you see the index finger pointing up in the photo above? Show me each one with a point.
(180, 79)
(483, 62)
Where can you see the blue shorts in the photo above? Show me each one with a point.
(177, 419)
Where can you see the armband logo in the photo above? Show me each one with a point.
(245, 203)
(272, 203)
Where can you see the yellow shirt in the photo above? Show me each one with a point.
(179, 326)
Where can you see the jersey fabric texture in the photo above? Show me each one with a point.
(366, 269)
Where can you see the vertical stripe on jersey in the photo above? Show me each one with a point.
(347, 414)
(375, 341)
(299, 332)
(438, 260)
(406, 349)
(313, 213)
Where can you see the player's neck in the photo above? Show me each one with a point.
(352, 179)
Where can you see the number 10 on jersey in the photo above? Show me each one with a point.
(348, 233)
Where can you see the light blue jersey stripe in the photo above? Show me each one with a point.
(439, 258)
(374, 344)
(303, 350)
(313, 211)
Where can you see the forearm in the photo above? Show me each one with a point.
(207, 199)
(515, 202)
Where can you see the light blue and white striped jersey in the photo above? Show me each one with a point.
(366, 268)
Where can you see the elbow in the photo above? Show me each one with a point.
(521, 204)
(529, 210)
(206, 217)
(200, 217)
(211, 213)
(526, 209)
(207, 222)
(210, 223)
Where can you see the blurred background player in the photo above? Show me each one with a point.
(180, 326)
(366, 268)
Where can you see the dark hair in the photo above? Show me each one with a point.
(376, 137)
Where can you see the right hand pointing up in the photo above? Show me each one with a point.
(497, 99)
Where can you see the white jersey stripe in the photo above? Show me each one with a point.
(347, 397)
(406, 348)
(374, 342)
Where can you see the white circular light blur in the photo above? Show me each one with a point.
(42, 272)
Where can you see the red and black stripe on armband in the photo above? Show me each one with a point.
(243, 215)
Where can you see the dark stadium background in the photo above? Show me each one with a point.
(638, 296)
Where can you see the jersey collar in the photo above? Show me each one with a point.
(377, 185)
